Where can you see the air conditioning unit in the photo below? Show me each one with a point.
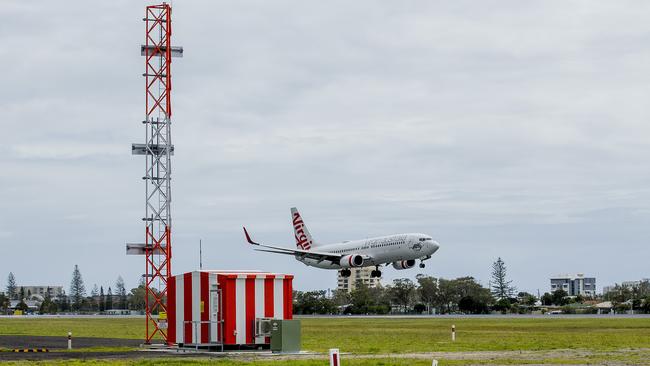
(263, 327)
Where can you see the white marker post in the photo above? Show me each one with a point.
(434, 363)
(335, 358)
(453, 333)
(69, 340)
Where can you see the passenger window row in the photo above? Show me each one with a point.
(373, 246)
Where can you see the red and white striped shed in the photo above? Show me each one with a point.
(220, 307)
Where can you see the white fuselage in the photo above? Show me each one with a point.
(379, 250)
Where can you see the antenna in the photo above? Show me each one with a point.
(158, 150)
(200, 255)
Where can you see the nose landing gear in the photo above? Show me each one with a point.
(346, 273)
(422, 265)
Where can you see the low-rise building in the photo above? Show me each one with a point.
(627, 284)
(32, 305)
(605, 307)
(608, 289)
(632, 284)
(358, 275)
(40, 291)
(122, 312)
(574, 285)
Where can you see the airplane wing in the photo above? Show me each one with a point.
(320, 256)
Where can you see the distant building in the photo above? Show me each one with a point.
(574, 285)
(632, 284)
(122, 312)
(359, 275)
(626, 284)
(32, 305)
(40, 291)
(605, 307)
(608, 289)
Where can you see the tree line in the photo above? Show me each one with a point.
(426, 295)
(635, 297)
(463, 295)
(99, 299)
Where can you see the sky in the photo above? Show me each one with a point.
(502, 128)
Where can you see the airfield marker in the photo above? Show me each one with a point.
(69, 340)
(335, 359)
(434, 363)
(453, 333)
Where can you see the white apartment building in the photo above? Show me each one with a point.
(574, 285)
(359, 275)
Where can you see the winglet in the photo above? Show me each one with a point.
(248, 237)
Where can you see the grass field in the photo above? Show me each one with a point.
(130, 328)
(641, 360)
(353, 362)
(431, 335)
(588, 340)
(400, 335)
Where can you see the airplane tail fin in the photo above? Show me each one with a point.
(304, 240)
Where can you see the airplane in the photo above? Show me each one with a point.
(400, 250)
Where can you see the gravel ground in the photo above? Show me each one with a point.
(11, 356)
(52, 343)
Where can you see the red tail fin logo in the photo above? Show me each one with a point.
(302, 240)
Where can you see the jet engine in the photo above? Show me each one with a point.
(404, 264)
(352, 260)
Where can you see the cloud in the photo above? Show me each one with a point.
(502, 128)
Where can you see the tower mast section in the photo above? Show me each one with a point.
(158, 150)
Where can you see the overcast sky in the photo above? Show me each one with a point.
(516, 129)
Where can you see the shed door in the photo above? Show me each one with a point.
(215, 315)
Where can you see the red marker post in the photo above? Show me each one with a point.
(335, 358)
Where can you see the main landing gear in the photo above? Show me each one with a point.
(422, 261)
(376, 273)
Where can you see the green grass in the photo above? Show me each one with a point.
(346, 362)
(625, 341)
(130, 328)
(399, 335)
(434, 335)
(184, 361)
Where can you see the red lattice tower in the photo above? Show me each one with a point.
(158, 150)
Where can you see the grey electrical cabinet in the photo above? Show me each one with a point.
(285, 336)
